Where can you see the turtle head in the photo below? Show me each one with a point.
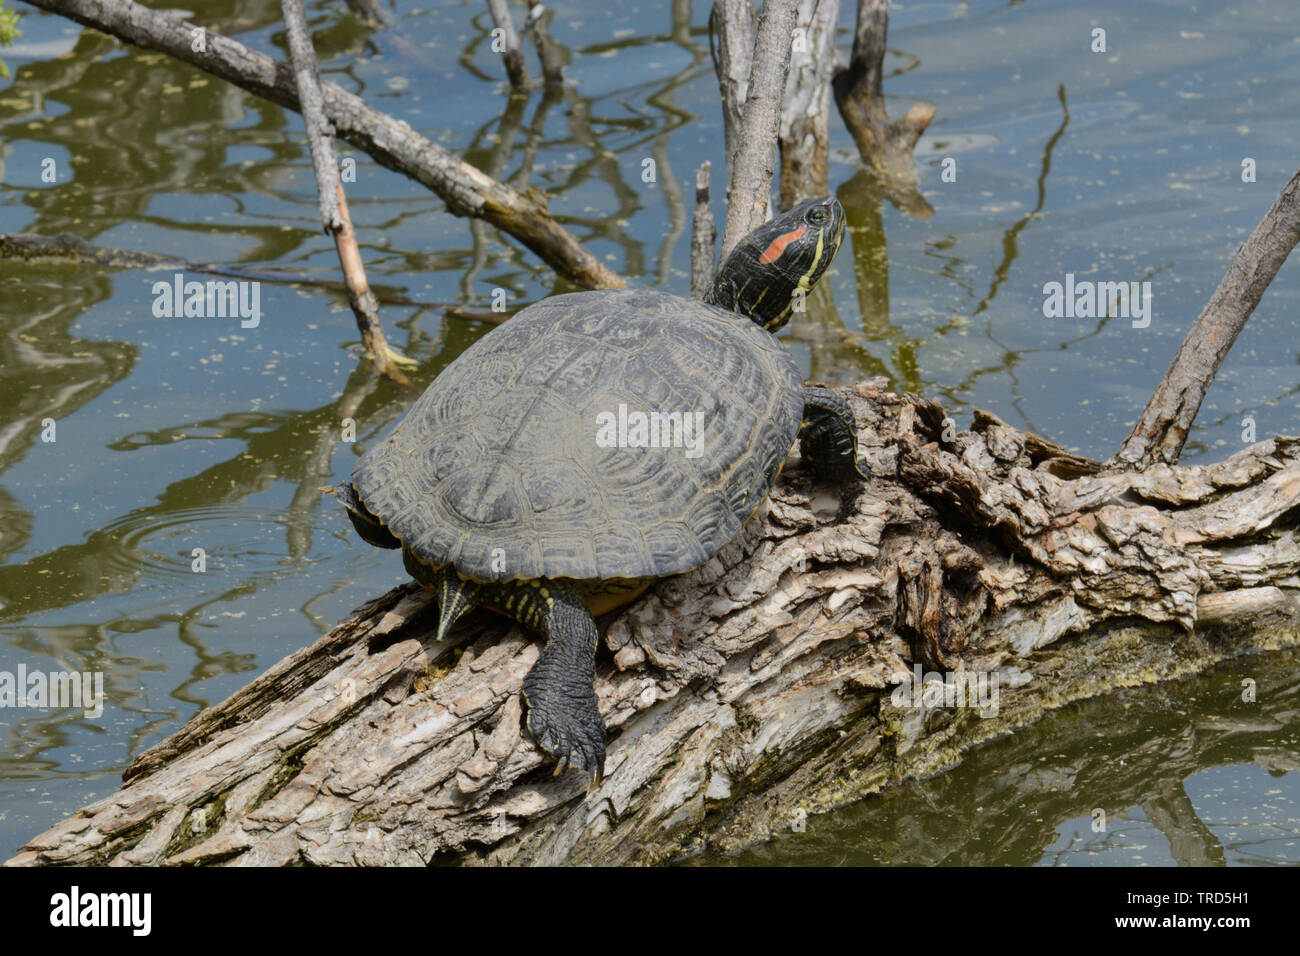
(370, 528)
(779, 261)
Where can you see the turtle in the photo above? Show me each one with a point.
(598, 441)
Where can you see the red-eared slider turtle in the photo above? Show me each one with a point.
(599, 440)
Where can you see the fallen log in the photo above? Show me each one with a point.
(773, 682)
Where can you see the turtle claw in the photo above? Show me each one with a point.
(597, 775)
(573, 735)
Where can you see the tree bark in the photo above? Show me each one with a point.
(391, 142)
(804, 142)
(1160, 433)
(731, 41)
(748, 693)
(704, 234)
(753, 160)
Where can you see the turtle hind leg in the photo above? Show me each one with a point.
(827, 438)
(370, 528)
(456, 596)
(562, 714)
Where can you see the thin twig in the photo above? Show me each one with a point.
(65, 247)
(329, 191)
(731, 43)
(804, 142)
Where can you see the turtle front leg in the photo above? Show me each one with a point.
(827, 439)
(562, 713)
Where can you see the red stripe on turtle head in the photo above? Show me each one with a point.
(778, 245)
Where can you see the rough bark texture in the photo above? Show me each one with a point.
(885, 147)
(745, 694)
(704, 234)
(751, 163)
(731, 41)
(804, 142)
(1160, 433)
(391, 142)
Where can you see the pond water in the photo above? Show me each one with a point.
(176, 434)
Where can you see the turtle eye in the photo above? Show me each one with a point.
(817, 216)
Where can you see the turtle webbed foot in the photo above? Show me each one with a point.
(564, 721)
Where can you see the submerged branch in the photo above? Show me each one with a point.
(1160, 433)
(885, 146)
(65, 247)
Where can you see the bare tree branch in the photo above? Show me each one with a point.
(466, 190)
(731, 41)
(805, 113)
(552, 68)
(1160, 433)
(65, 247)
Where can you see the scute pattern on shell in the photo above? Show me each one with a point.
(500, 452)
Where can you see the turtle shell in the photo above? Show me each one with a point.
(525, 457)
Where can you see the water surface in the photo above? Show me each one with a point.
(174, 434)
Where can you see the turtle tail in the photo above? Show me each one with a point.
(456, 598)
